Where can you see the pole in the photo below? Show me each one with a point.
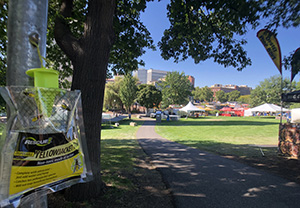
(26, 18)
(281, 103)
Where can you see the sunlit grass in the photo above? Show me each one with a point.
(224, 135)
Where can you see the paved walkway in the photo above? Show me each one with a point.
(199, 179)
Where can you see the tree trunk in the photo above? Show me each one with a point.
(90, 56)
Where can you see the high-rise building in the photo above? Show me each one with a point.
(154, 75)
(141, 74)
(149, 76)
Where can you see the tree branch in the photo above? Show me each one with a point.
(62, 33)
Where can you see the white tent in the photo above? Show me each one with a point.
(267, 107)
(190, 108)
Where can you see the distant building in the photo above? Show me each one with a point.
(154, 75)
(151, 76)
(243, 89)
(191, 79)
(141, 74)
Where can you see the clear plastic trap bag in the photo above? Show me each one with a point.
(43, 146)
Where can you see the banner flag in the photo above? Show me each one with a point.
(271, 44)
(295, 63)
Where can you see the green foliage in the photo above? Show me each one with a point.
(282, 13)
(112, 98)
(203, 94)
(244, 99)
(176, 89)
(294, 105)
(269, 91)
(206, 29)
(128, 90)
(221, 96)
(233, 95)
(131, 37)
(148, 96)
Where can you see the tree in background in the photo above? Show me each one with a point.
(176, 89)
(128, 91)
(203, 94)
(244, 99)
(148, 96)
(221, 96)
(233, 95)
(269, 91)
(112, 98)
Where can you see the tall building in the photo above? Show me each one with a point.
(141, 74)
(154, 75)
(149, 76)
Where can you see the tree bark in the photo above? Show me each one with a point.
(89, 56)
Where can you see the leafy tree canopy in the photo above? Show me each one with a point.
(244, 99)
(176, 89)
(269, 91)
(221, 96)
(203, 94)
(112, 94)
(131, 37)
(128, 90)
(148, 96)
(206, 29)
(233, 95)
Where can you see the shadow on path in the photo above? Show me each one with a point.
(200, 179)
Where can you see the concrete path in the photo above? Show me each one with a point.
(199, 179)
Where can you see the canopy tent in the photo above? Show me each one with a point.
(267, 107)
(190, 108)
(208, 109)
(200, 107)
(226, 109)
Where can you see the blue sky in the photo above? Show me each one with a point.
(208, 73)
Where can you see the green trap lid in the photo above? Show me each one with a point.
(44, 77)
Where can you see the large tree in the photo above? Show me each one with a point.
(176, 89)
(128, 91)
(269, 91)
(148, 96)
(112, 94)
(203, 94)
(221, 96)
(233, 95)
(111, 31)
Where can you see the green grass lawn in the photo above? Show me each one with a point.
(118, 152)
(237, 136)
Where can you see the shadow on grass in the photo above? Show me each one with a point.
(130, 180)
(212, 122)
